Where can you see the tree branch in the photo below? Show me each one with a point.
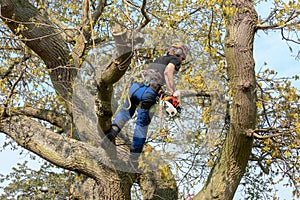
(142, 9)
(146, 16)
(61, 151)
(274, 133)
(50, 116)
(287, 39)
(276, 26)
(124, 41)
(40, 35)
(88, 22)
(12, 91)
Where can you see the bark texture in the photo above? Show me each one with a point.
(73, 155)
(97, 178)
(230, 167)
(43, 37)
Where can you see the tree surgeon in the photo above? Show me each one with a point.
(144, 93)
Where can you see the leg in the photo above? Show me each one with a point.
(125, 114)
(140, 131)
(148, 99)
(129, 107)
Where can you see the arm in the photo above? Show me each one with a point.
(169, 77)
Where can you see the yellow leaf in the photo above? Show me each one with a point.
(268, 161)
(275, 153)
(287, 154)
(210, 163)
(259, 105)
(266, 148)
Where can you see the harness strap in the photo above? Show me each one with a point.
(152, 78)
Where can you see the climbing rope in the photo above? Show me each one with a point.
(136, 69)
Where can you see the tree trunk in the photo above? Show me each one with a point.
(225, 176)
(112, 188)
(46, 41)
(98, 177)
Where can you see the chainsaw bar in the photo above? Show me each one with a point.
(172, 113)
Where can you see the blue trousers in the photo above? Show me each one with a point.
(144, 98)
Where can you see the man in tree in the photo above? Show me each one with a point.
(144, 93)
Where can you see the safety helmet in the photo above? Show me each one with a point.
(179, 50)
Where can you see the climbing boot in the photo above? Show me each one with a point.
(112, 133)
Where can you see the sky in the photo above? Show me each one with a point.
(271, 49)
(268, 48)
(275, 52)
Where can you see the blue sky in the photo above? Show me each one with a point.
(275, 52)
(269, 48)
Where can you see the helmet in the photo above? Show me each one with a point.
(179, 50)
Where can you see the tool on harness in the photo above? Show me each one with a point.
(151, 78)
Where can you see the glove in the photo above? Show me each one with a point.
(175, 101)
(176, 104)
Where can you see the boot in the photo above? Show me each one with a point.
(110, 145)
(112, 133)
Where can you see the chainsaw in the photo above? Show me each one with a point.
(172, 111)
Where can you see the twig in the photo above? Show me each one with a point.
(147, 18)
(287, 39)
(254, 133)
(11, 93)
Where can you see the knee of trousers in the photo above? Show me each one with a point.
(147, 104)
(143, 118)
(121, 118)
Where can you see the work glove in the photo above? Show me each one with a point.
(175, 101)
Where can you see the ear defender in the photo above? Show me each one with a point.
(177, 50)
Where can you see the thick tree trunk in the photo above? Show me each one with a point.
(230, 167)
(40, 35)
(113, 188)
(98, 176)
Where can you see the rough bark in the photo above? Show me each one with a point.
(228, 170)
(40, 35)
(69, 154)
(99, 179)
(115, 70)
